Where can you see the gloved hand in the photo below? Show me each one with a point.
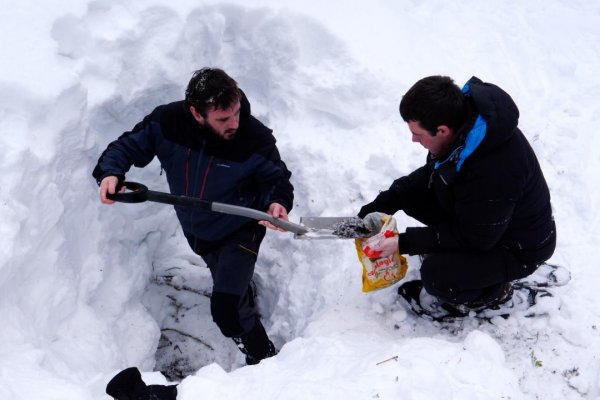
(373, 221)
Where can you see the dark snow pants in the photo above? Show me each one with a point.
(231, 263)
(471, 277)
(462, 277)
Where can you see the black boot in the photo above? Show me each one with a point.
(255, 344)
(128, 385)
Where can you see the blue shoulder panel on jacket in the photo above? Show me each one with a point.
(467, 88)
(474, 139)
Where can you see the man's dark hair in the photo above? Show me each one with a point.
(211, 87)
(435, 101)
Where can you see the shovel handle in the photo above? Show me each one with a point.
(139, 193)
(257, 215)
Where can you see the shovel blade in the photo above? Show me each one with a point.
(333, 228)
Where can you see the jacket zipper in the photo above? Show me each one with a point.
(187, 172)
(210, 160)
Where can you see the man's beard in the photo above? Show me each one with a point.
(215, 135)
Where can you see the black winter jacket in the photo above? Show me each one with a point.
(489, 192)
(246, 171)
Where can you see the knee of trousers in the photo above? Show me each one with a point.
(436, 275)
(429, 271)
(224, 308)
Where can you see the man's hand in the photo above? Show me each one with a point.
(109, 185)
(383, 248)
(277, 211)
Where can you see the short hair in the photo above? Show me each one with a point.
(434, 101)
(211, 87)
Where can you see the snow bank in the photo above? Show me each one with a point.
(79, 280)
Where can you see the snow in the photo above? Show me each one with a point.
(86, 288)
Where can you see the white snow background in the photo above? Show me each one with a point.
(85, 289)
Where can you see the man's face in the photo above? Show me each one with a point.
(437, 145)
(223, 123)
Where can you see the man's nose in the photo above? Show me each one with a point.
(235, 123)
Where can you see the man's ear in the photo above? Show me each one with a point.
(444, 131)
(197, 116)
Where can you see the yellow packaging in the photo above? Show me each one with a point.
(380, 272)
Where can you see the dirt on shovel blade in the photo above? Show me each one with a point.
(351, 228)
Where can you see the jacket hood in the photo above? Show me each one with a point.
(494, 120)
(496, 108)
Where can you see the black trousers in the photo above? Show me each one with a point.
(466, 277)
(463, 277)
(231, 262)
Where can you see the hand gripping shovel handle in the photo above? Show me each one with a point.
(139, 193)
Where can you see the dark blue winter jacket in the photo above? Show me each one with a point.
(488, 192)
(246, 171)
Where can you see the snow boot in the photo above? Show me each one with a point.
(128, 385)
(547, 275)
(525, 299)
(255, 344)
(512, 297)
(427, 306)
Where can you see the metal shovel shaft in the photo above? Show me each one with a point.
(140, 193)
(258, 215)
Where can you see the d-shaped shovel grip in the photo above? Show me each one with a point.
(137, 193)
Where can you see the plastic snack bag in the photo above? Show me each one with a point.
(380, 272)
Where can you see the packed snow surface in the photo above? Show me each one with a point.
(87, 290)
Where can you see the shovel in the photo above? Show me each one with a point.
(309, 227)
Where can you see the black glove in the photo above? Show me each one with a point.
(373, 222)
